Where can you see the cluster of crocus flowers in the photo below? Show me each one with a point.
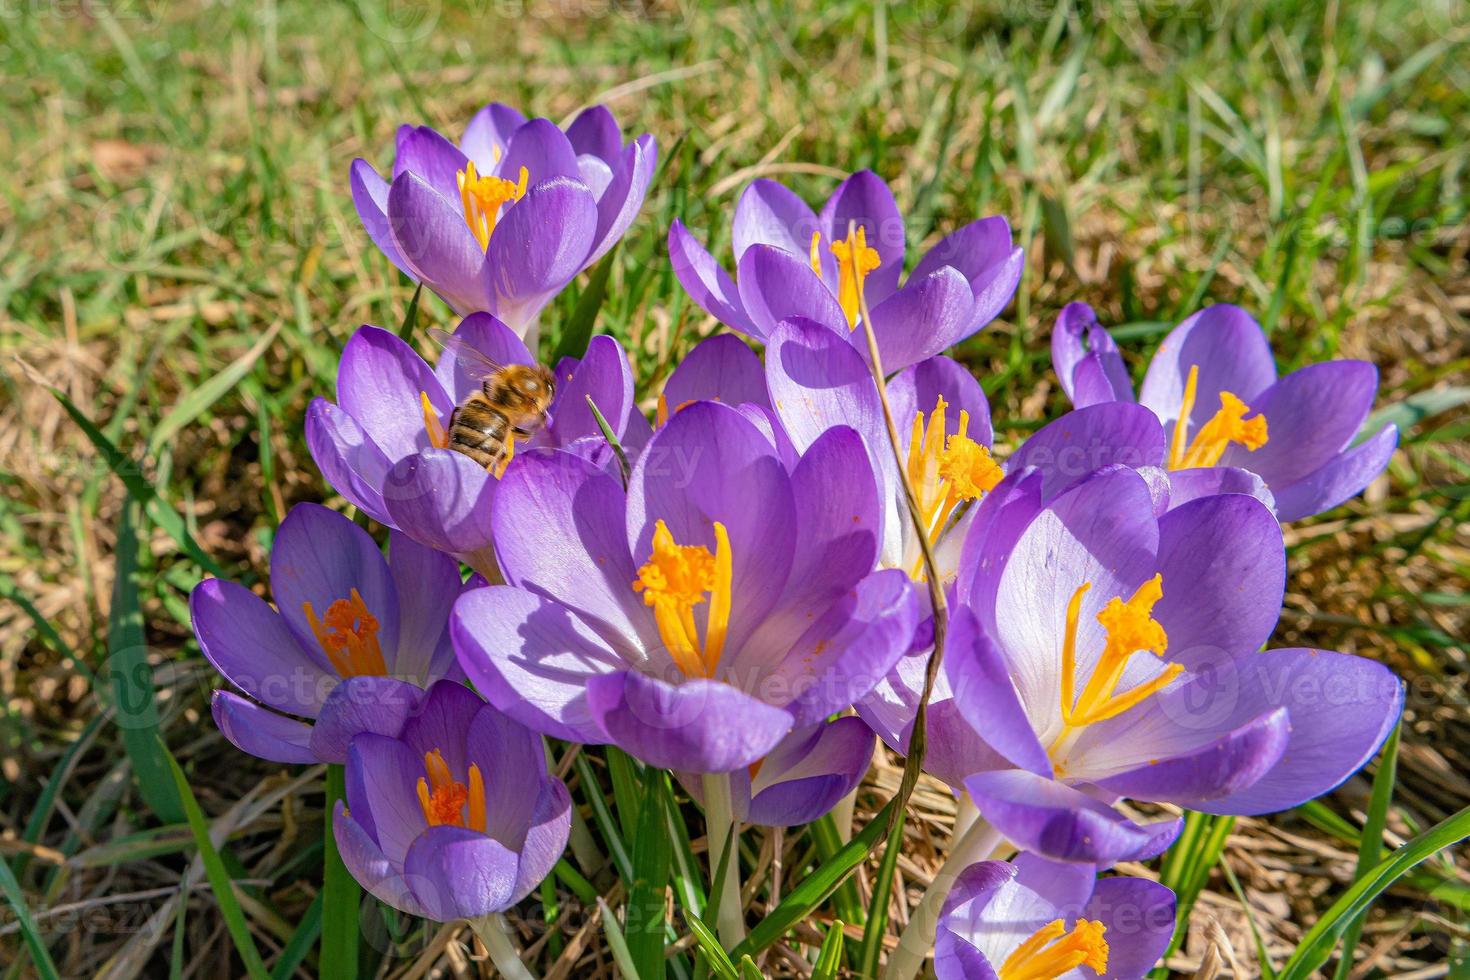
(736, 590)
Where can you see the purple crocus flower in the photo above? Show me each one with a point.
(382, 445)
(503, 221)
(802, 778)
(1035, 918)
(1215, 370)
(456, 817)
(791, 261)
(351, 645)
(1101, 651)
(698, 617)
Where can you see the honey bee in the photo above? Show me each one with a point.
(511, 404)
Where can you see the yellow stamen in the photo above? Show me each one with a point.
(855, 260)
(348, 635)
(1130, 627)
(438, 438)
(1052, 951)
(674, 580)
(661, 414)
(443, 798)
(481, 198)
(1228, 425)
(946, 470)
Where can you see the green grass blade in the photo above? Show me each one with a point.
(829, 960)
(709, 944)
(577, 331)
(343, 895)
(628, 793)
(845, 900)
(617, 943)
(877, 923)
(611, 437)
(411, 318)
(198, 401)
(40, 956)
(1317, 945)
(748, 969)
(806, 897)
(602, 816)
(46, 802)
(132, 681)
(1370, 845)
(652, 860)
(301, 941)
(220, 881)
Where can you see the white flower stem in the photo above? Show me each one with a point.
(842, 815)
(917, 940)
(720, 827)
(494, 932)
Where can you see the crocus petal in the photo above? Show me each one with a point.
(532, 659)
(598, 176)
(955, 749)
(348, 459)
(699, 726)
(1061, 823)
(985, 696)
(707, 283)
(721, 368)
(1084, 441)
(603, 375)
(864, 201)
(818, 380)
(436, 243)
(792, 790)
(742, 485)
(543, 149)
(382, 781)
(541, 242)
(458, 873)
(1311, 415)
(319, 557)
(1224, 573)
(963, 919)
(425, 153)
(622, 198)
(1232, 355)
(461, 377)
(1341, 709)
(250, 644)
(769, 213)
(442, 722)
(488, 133)
(380, 383)
(442, 499)
(362, 704)
(261, 732)
(596, 131)
(1139, 918)
(1086, 359)
(513, 759)
(551, 499)
(370, 197)
(546, 841)
(1182, 486)
(923, 318)
(1338, 480)
(775, 284)
(367, 863)
(975, 250)
(428, 582)
(848, 650)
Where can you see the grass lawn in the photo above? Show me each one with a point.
(180, 260)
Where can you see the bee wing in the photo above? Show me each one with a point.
(474, 363)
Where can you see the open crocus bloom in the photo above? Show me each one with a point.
(1102, 652)
(1033, 919)
(697, 617)
(802, 778)
(791, 261)
(456, 817)
(724, 369)
(1215, 371)
(383, 444)
(355, 640)
(500, 223)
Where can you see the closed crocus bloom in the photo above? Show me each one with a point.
(384, 443)
(1215, 372)
(697, 617)
(1032, 919)
(792, 261)
(501, 222)
(1100, 651)
(456, 817)
(353, 641)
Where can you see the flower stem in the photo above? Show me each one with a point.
(720, 826)
(494, 932)
(918, 936)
